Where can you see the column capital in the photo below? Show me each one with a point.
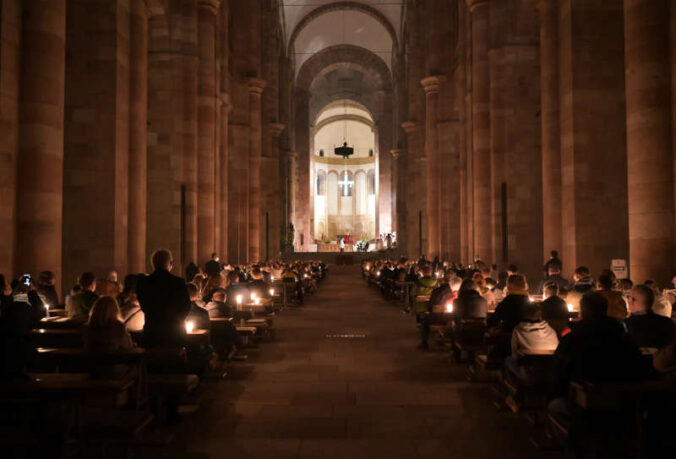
(474, 4)
(395, 152)
(209, 5)
(432, 84)
(276, 128)
(255, 85)
(410, 127)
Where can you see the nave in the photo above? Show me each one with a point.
(310, 394)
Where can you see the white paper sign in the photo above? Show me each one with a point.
(619, 267)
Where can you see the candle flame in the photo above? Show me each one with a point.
(189, 326)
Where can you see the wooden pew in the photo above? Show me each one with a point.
(95, 403)
(62, 323)
(56, 338)
(405, 287)
(531, 398)
(619, 413)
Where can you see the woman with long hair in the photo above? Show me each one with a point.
(105, 329)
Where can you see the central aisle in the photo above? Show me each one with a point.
(311, 394)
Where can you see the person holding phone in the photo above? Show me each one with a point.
(20, 311)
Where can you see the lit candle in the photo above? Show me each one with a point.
(367, 268)
(239, 299)
(256, 301)
(189, 326)
(306, 276)
(272, 292)
(449, 306)
(272, 278)
(570, 307)
(530, 298)
(47, 309)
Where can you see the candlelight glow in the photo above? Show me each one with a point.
(272, 292)
(570, 307)
(449, 306)
(189, 326)
(530, 298)
(239, 299)
(256, 301)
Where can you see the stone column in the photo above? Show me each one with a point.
(551, 134)
(41, 116)
(223, 152)
(432, 86)
(649, 141)
(138, 132)
(672, 58)
(10, 63)
(593, 124)
(206, 128)
(302, 171)
(412, 189)
(275, 209)
(292, 159)
(479, 14)
(255, 86)
(395, 152)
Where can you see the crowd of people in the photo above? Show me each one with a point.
(155, 307)
(598, 329)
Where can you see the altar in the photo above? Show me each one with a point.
(333, 247)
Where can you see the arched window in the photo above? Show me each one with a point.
(321, 153)
(371, 182)
(371, 152)
(321, 184)
(346, 184)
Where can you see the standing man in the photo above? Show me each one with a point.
(165, 302)
(213, 267)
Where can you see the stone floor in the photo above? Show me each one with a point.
(310, 394)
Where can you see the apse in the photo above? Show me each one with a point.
(344, 191)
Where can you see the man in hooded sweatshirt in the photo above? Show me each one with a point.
(531, 334)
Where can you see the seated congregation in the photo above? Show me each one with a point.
(128, 356)
(585, 359)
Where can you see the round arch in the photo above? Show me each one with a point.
(350, 56)
(340, 6)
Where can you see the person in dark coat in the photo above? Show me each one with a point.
(165, 303)
(554, 275)
(45, 287)
(646, 328)
(554, 308)
(439, 311)
(213, 267)
(257, 285)
(469, 303)
(597, 349)
(17, 319)
(508, 312)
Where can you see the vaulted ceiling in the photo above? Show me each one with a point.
(313, 25)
